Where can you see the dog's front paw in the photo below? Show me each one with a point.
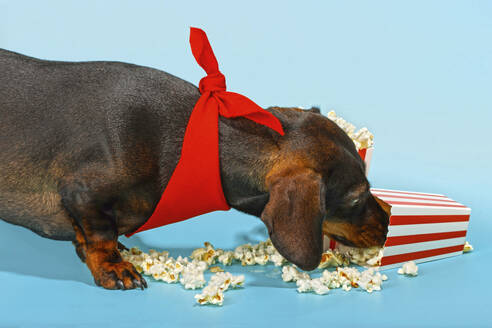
(120, 275)
(110, 271)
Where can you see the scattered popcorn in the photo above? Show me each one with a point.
(210, 295)
(318, 287)
(304, 285)
(261, 254)
(345, 278)
(213, 293)
(370, 280)
(467, 248)
(362, 138)
(261, 259)
(409, 268)
(225, 280)
(290, 273)
(248, 259)
(190, 271)
(332, 258)
(215, 269)
(226, 258)
(207, 254)
(192, 275)
(277, 259)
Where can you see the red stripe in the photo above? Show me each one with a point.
(421, 219)
(406, 192)
(362, 153)
(332, 244)
(387, 260)
(409, 197)
(421, 204)
(402, 240)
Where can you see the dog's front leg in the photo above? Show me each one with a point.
(96, 233)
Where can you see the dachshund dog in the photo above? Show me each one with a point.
(87, 149)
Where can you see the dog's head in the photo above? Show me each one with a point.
(317, 183)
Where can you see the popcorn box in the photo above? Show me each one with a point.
(423, 227)
(366, 155)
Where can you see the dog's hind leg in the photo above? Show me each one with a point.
(85, 196)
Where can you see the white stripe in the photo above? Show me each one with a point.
(425, 259)
(326, 243)
(389, 199)
(406, 192)
(423, 246)
(428, 210)
(417, 229)
(389, 194)
(368, 159)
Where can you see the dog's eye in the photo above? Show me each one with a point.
(355, 202)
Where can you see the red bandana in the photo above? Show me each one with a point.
(195, 187)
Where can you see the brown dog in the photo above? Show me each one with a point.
(86, 150)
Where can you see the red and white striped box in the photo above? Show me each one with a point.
(423, 227)
(366, 155)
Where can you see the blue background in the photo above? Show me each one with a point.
(418, 74)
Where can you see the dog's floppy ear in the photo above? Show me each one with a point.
(294, 216)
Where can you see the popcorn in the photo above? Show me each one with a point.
(225, 280)
(370, 280)
(162, 267)
(248, 258)
(290, 273)
(134, 251)
(332, 258)
(277, 259)
(343, 277)
(304, 285)
(314, 285)
(189, 271)
(207, 254)
(346, 288)
(467, 248)
(210, 295)
(215, 269)
(192, 275)
(226, 258)
(262, 259)
(409, 268)
(362, 138)
(361, 256)
(198, 254)
(213, 293)
(261, 254)
(318, 287)
(376, 260)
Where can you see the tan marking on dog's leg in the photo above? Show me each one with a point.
(109, 270)
(79, 242)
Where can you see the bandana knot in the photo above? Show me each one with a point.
(212, 82)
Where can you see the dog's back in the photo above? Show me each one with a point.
(57, 115)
